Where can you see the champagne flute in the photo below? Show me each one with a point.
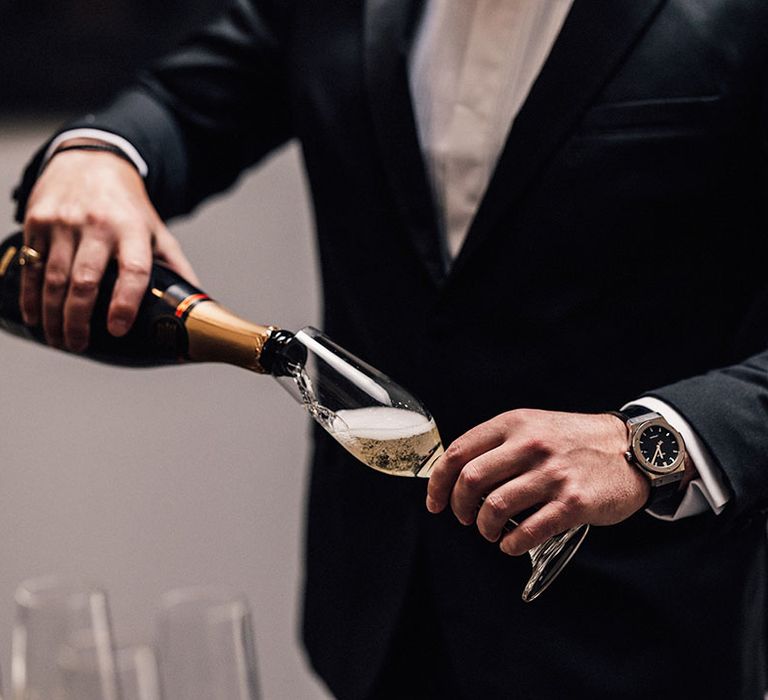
(205, 646)
(54, 618)
(388, 429)
(136, 672)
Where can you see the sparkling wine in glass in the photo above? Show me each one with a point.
(389, 430)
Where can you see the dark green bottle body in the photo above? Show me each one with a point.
(176, 323)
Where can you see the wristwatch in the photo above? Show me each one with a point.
(656, 449)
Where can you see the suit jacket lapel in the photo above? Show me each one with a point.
(596, 35)
(389, 28)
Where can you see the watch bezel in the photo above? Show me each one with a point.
(637, 453)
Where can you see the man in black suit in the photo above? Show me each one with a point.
(530, 214)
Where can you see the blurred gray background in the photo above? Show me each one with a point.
(148, 480)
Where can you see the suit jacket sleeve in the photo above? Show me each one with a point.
(728, 407)
(210, 109)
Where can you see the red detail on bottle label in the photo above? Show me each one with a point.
(186, 306)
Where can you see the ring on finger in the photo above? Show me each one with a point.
(29, 257)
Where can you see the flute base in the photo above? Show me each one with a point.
(549, 559)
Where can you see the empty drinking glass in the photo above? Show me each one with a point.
(55, 618)
(205, 646)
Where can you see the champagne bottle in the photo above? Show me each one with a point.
(176, 323)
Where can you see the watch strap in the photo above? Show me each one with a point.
(663, 495)
(634, 413)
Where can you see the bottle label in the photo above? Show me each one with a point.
(183, 309)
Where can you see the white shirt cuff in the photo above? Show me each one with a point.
(709, 490)
(107, 137)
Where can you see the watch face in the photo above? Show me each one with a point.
(659, 447)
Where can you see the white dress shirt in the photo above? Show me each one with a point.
(471, 68)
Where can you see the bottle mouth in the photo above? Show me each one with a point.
(282, 355)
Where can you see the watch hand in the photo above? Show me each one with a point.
(657, 453)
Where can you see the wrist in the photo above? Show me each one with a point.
(91, 146)
(91, 136)
(641, 486)
(79, 141)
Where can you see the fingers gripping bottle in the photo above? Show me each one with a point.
(176, 323)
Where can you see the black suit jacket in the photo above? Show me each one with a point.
(620, 251)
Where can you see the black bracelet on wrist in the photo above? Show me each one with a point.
(105, 147)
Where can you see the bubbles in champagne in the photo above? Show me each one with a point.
(392, 440)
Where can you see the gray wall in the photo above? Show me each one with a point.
(147, 480)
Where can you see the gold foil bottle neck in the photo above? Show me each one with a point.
(217, 335)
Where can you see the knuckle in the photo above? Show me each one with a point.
(99, 219)
(535, 444)
(557, 475)
(84, 283)
(571, 501)
(108, 222)
(470, 477)
(527, 533)
(455, 451)
(521, 414)
(38, 215)
(69, 216)
(135, 267)
(497, 505)
(56, 279)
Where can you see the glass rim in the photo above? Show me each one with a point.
(202, 596)
(39, 591)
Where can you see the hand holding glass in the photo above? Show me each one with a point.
(389, 430)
